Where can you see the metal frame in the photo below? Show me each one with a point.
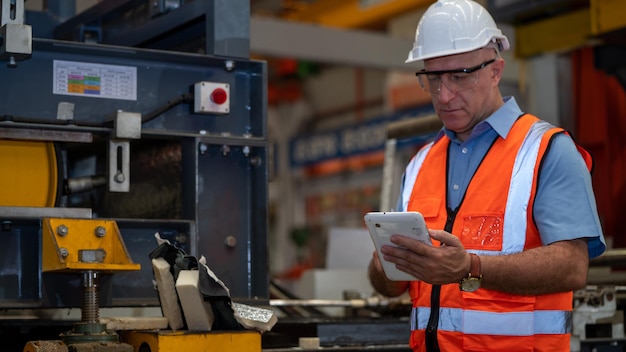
(223, 179)
(217, 27)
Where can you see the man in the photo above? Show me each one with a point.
(507, 198)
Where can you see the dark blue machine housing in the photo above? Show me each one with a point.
(199, 180)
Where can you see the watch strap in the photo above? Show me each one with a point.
(475, 266)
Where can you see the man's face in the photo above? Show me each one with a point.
(462, 99)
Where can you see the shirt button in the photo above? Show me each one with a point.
(464, 150)
(455, 187)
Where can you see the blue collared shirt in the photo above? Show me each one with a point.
(565, 206)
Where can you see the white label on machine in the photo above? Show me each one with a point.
(94, 80)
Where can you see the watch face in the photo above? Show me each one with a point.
(470, 284)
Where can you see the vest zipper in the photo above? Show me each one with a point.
(432, 343)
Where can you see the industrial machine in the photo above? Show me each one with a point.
(130, 129)
(101, 148)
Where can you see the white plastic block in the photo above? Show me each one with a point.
(167, 293)
(198, 313)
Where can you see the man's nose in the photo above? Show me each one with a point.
(445, 93)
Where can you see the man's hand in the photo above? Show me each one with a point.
(381, 283)
(446, 264)
(557, 267)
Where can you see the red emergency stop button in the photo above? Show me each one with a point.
(219, 96)
(211, 98)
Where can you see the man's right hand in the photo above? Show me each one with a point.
(381, 283)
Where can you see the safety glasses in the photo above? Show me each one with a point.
(455, 80)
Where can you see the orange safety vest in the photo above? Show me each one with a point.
(494, 218)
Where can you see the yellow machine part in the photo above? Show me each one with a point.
(66, 243)
(45, 346)
(176, 341)
(570, 30)
(30, 174)
(607, 16)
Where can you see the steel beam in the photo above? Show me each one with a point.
(602, 21)
(353, 13)
(524, 11)
(565, 32)
(607, 16)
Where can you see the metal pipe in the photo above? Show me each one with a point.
(84, 184)
(413, 127)
(610, 257)
(353, 303)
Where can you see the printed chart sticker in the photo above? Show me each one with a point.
(94, 80)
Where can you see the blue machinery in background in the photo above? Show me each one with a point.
(195, 174)
(164, 136)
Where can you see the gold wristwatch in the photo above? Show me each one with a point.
(472, 281)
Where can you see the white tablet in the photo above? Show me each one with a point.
(382, 225)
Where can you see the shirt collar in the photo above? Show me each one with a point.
(500, 121)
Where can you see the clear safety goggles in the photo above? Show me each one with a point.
(455, 80)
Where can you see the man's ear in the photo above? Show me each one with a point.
(497, 69)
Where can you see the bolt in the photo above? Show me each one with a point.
(230, 241)
(246, 151)
(64, 252)
(225, 150)
(229, 65)
(12, 63)
(101, 231)
(202, 148)
(62, 230)
(119, 177)
(256, 161)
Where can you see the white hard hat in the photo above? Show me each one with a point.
(451, 27)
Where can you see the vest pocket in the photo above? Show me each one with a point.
(483, 231)
(429, 207)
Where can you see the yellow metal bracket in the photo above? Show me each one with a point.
(78, 245)
(188, 341)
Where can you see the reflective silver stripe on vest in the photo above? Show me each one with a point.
(490, 323)
(515, 216)
(514, 232)
(411, 174)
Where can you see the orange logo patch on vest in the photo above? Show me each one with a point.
(482, 232)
